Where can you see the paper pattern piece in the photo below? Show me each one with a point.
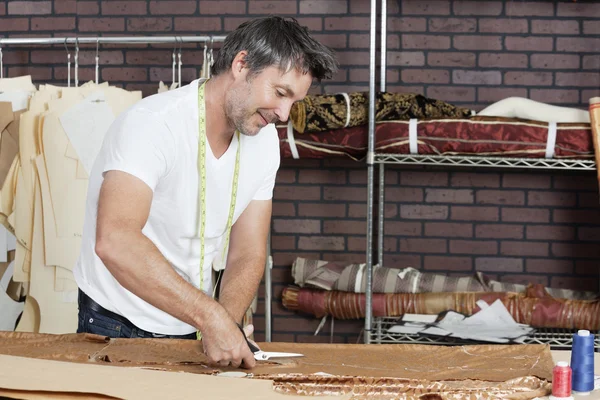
(9, 309)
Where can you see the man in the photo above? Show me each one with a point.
(184, 176)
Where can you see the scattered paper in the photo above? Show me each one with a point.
(9, 309)
(18, 98)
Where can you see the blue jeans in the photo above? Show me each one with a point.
(92, 321)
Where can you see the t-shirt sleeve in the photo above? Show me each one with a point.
(265, 192)
(139, 144)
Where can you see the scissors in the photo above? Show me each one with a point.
(265, 355)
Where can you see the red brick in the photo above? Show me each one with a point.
(312, 24)
(588, 200)
(423, 245)
(344, 193)
(571, 216)
(166, 74)
(473, 247)
(321, 210)
(501, 197)
(449, 196)
(578, 78)
(124, 74)
(402, 261)
(149, 24)
(302, 323)
(475, 8)
(364, 7)
(503, 60)
(342, 163)
(360, 244)
(391, 210)
(347, 23)
(195, 24)
(448, 229)
(503, 25)
(181, 7)
(345, 227)
(29, 7)
(404, 194)
(528, 43)
(586, 267)
(283, 337)
(284, 209)
(296, 226)
(321, 243)
(591, 28)
(554, 96)
(359, 210)
(405, 58)
(528, 78)
(451, 59)
(551, 198)
(466, 77)
(574, 283)
(425, 76)
(344, 88)
(101, 24)
(279, 242)
(406, 24)
(581, 10)
(400, 228)
(554, 27)
(499, 231)
(124, 7)
(333, 40)
(588, 234)
(287, 192)
(52, 23)
(2, 8)
(426, 42)
(230, 23)
(521, 279)
(550, 232)
(323, 337)
(588, 94)
(549, 266)
(85, 7)
(284, 259)
(474, 213)
(451, 93)
(272, 7)
(576, 182)
(527, 8)
(360, 177)
(490, 95)
(352, 57)
(448, 263)
(405, 88)
(432, 7)
(286, 176)
(526, 181)
(526, 214)
(498, 264)
(524, 249)
(84, 74)
(146, 57)
(452, 24)
(347, 257)
(423, 212)
(591, 62)
(323, 7)
(315, 176)
(472, 42)
(37, 73)
(362, 75)
(18, 57)
(469, 179)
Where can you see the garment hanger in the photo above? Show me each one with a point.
(68, 64)
(97, 58)
(1, 65)
(76, 61)
(173, 64)
(179, 61)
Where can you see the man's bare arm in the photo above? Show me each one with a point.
(138, 265)
(246, 258)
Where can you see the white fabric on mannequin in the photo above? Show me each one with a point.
(519, 107)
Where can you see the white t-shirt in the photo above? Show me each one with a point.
(156, 140)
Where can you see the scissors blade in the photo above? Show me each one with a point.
(265, 355)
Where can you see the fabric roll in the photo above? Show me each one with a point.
(595, 122)
(317, 113)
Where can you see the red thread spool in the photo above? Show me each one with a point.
(561, 380)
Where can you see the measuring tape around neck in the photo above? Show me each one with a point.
(202, 183)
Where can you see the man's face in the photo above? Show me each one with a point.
(265, 98)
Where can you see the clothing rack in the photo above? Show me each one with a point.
(208, 40)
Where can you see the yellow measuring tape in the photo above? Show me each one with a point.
(202, 183)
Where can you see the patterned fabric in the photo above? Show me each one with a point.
(317, 113)
(352, 278)
(534, 308)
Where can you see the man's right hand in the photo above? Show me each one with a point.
(223, 342)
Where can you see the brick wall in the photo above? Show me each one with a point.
(517, 226)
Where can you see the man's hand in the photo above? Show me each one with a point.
(224, 344)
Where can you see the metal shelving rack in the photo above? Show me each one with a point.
(376, 328)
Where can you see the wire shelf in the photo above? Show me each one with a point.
(558, 339)
(474, 161)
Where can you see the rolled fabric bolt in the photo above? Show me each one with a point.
(582, 362)
(595, 122)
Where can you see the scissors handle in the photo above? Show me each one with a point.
(253, 348)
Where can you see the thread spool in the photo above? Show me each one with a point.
(582, 362)
(561, 381)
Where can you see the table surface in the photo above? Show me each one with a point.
(561, 355)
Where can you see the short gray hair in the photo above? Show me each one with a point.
(276, 41)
